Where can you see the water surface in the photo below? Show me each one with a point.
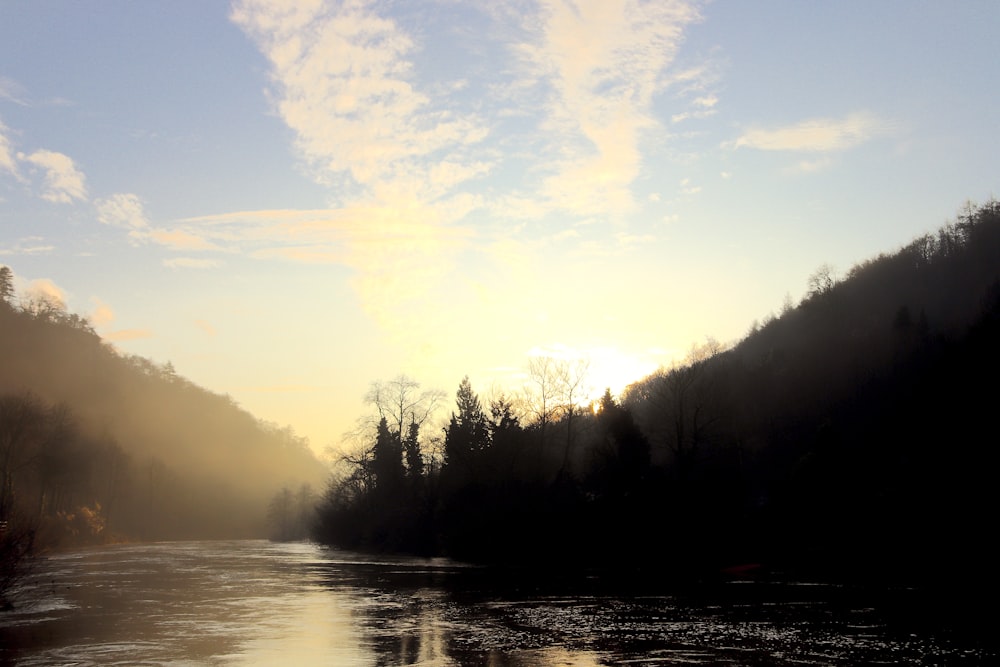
(258, 603)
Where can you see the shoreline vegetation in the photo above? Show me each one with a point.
(850, 437)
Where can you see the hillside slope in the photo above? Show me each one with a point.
(84, 429)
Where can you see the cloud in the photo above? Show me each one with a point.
(190, 263)
(816, 135)
(29, 245)
(703, 108)
(555, 99)
(603, 61)
(345, 86)
(687, 188)
(7, 158)
(127, 334)
(12, 91)
(396, 147)
(63, 181)
(124, 211)
(809, 166)
(102, 315)
(180, 239)
(43, 290)
(205, 326)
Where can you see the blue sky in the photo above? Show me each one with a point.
(289, 200)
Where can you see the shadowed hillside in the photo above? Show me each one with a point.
(97, 445)
(854, 435)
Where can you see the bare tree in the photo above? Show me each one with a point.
(401, 403)
(542, 395)
(684, 395)
(572, 378)
(22, 424)
(405, 409)
(821, 281)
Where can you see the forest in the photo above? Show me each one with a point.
(97, 446)
(852, 435)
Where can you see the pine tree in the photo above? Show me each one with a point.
(387, 459)
(468, 432)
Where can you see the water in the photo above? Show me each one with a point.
(257, 603)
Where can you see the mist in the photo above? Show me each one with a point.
(86, 431)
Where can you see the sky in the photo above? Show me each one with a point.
(290, 199)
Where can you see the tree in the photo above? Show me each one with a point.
(411, 450)
(542, 395)
(387, 459)
(571, 378)
(821, 282)
(622, 447)
(468, 432)
(6, 286)
(503, 420)
(281, 515)
(680, 411)
(400, 402)
(22, 425)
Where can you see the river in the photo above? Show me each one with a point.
(260, 603)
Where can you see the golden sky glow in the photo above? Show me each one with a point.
(289, 200)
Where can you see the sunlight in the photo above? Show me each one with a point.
(608, 367)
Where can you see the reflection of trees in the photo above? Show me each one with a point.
(419, 635)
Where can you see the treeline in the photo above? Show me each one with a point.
(96, 445)
(854, 434)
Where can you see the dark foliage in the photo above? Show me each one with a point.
(853, 436)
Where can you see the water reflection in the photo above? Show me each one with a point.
(256, 603)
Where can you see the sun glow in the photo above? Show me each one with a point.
(604, 367)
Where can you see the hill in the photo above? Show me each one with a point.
(98, 445)
(853, 435)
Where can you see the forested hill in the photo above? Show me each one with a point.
(98, 445)
(855, 433)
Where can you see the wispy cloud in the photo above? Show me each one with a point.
(345, 85)
(395, 149)
(602, 61)
(404, 144)
(127, 334)
(102, 315)
(7, 156)
(63, 181)
(817, 135)
(43, 290)
(191, 263)
(180, 239)
(205, 326)
(29, 245)
(124, 211)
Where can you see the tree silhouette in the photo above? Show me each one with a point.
(6, 286)
(467, 435)
(387, 460)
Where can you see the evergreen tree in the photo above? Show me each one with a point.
(411, 449)
(468, 432)
(6, 286)
(387, 459)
